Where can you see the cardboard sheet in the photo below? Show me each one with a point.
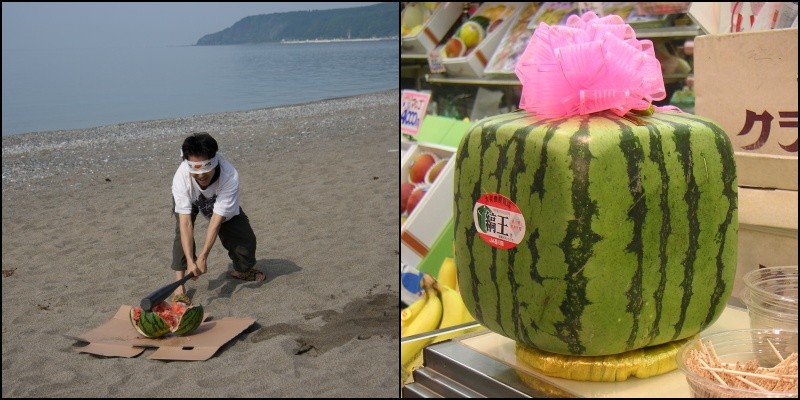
(117, 338)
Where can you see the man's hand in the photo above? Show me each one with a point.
(200, 265)
(211, 237)
(194, 268)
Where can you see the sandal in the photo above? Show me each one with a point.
(183, 298)
(252, 275)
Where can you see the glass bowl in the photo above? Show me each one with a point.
(771, 297)
(759, 347)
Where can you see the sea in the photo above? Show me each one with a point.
(61, 89)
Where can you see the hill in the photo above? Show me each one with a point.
(378, 20)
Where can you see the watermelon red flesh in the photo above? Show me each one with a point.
(631, 230)
(171, 314)
(178, 318)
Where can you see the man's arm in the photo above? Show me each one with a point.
(187, 237)
(211, 237)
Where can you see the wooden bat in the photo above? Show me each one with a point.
(162, 293)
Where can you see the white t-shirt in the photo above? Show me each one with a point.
(221, 197)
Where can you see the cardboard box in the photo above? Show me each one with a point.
(747, 83)
(117, 338)
(434, 29)
(767, 231)
(472, 65)
(434, 211)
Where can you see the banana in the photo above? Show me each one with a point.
(428, 319)
(453, 307)
(410, 313)
(454, 313)
(447, 273)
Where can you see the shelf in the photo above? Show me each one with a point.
(413, 57)
(443, 79)
(673, 31)
(485, 363)
(510, 81)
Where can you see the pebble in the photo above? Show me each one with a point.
(34, 160)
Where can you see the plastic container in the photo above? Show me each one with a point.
(732, 347)
(771, 297)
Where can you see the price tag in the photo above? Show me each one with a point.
(435, 61)
(413, 105)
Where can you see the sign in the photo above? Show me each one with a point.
(413, 106)
(498, 221)
(762, 125)
(435, 61)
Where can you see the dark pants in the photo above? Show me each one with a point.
(236, 236)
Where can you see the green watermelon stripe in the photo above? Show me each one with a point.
(657, 157)
(692, 198)
(723, 146)
(637, 214)
(682, 138)
(464, 154)
(152, 324)
(485, 131)
(497, 264)
(519, 166)
(537, 189)
(719, 299)
(190, 320)
(577, 254)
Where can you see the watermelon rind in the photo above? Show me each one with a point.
(151, 325)
(190, 320)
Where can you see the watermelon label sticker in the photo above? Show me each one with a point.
(498, 221)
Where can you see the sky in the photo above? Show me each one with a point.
(88, 25)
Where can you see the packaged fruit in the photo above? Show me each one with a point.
(435, 170)
(419, 167)
(413, 18)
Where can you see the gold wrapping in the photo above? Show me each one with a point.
(641, 363)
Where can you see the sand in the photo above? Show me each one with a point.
(87, 227)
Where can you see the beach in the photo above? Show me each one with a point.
(87, 227)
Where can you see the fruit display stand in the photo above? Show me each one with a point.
(483, 364)
(442, 131)
(470, 61)
(406, 149)
(513, 43)
(439, 136)
(441, 249)
(421, 38)
(433, 211)
(672, 28)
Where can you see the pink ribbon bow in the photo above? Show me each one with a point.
(588, 65)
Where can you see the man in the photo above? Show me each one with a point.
(206, 182)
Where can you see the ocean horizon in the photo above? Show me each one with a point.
(66, 89)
